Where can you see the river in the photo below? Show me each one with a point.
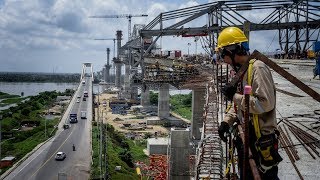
(31, 89)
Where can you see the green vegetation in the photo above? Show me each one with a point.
(13, 100)
(120, 152)
(25, 141)
(23, 126)
(5, 95)
(181, 104)
(153, 98)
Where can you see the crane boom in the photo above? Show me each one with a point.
(128, 16)
(120, 16)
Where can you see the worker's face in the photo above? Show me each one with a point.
(225, 55)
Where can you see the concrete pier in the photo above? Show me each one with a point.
(117, 60)
(163, 101)
(179, 154)
(198, 101)
(127, 87)
(118, 73)
(107, 68)
(145, 98)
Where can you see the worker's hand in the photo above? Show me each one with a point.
(223, 128)
(228, 91)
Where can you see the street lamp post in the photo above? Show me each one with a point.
(196, 41)
(189, 44)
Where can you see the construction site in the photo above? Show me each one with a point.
(193, 149)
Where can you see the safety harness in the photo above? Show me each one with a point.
(255, 116)
(265, 146)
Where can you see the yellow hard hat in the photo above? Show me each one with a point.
(231, 35)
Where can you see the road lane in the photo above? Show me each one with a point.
(76, 163)
(42, 164)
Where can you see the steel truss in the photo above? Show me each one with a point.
(297, 21)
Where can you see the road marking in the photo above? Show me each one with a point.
(52, 154)
(36, 155)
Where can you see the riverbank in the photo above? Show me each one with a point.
(25, 126)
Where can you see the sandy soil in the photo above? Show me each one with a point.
(109, 118)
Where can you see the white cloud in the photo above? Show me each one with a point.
(39, 30)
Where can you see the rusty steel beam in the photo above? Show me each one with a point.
(257, 55)
(252, 163)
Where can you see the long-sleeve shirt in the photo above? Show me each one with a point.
(262, 100)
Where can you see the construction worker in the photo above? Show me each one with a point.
(233, 48)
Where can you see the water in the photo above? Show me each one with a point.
(32, 89)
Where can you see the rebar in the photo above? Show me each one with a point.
(290, 156)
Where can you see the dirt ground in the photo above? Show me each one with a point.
(108, 117)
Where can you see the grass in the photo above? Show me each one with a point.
(5, 95)
(185, 112)
(13, 100)
(20, 149)
(181, 104)
(113, 159)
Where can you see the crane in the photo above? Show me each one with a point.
(128, 16)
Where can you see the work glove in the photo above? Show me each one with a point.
(223, 128)
(228, 91)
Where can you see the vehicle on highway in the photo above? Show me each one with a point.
(85, 93)
(60, 156)
(83, 82)
(66, 126)
(78, 100)
(79, 96)
(73, 118)
(83, 114)
(84, 99)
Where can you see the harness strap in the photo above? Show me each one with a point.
(255, 116)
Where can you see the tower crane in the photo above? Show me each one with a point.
(128, 16)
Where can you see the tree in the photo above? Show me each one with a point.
(26, 111)
(126, 156)
(153, 98)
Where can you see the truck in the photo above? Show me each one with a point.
(73, 118)
(83, 114)
(85, 94)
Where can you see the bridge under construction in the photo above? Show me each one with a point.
(197, 152)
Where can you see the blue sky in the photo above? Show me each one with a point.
(56, 35)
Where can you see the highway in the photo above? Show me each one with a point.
(42, 164)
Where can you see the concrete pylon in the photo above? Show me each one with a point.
(163, 101)
(145, 98)
(117, 60)
(127, 87)
(107, 68)
(104, 74)
(198, 101)
(179, 154)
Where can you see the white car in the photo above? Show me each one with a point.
(60, 156)
(78, 100)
